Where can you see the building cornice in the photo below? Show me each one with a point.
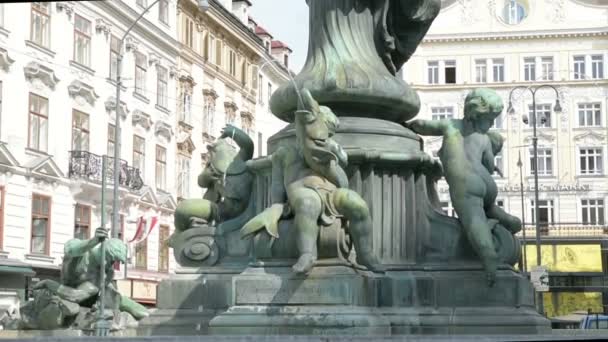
(519, 35)
(122, 13)
(507, 85)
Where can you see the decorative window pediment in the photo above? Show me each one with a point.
(6, 157)
(187, 82)
(210, 92)
(186, 146)
(111, 105)
(131, 44)
(247, 115)
(142, 119)
(154, 59)
(65, 6)
(231, 106)
(43, 167)
(541, 137)
(78, 88)
(35, 70)
(167, 202)
(163, 129)
(590, 138)
(147, 197)
(5, 60)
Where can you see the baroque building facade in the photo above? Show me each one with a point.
(57, 100)
(503, 44)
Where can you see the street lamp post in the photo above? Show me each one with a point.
(557, 109)
(523, 213)
(203, 6)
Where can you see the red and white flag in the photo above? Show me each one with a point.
(144, 228)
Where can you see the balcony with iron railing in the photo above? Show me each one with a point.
(88, 166)
(566, 230)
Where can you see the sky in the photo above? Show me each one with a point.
(287, 21)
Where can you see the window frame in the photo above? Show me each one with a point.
(599, 206)
(47, 243)
(442, 112)
(578, 73)
(163, 11)
(84, 36)
(80, 209)
(39, 116)
(81, 130)
(114, 53)
(598, 160)
(593, 108)
(160, 169)
(45, 41)
(183, 176)
(544, 108)
(597, 67)
(141, 164)
(162, 87)
(141, 247)
(111, 141)
(432, 74)
(164, 231)
(141, 73)
(542, 155)
(481, 71)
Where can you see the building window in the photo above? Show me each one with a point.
(514, 12)
(286, 60)
(41, 224)
(208, 115)
(40, 30)
(530, 69)
(82, 222)
(446, 207)
(162, 96)
(543, 115)
(269, 92)
(579, 67)
(140, 73)
(189, 36)
(232, 63)
(114, 51)
(141, 254)
(261, 89)
(481, 70)
(38, 123)
(442, 113)
(546, 64)
(186, 107)
(111, 142)
(499, 161)
(597, 66)
(591, 161)
(593, 211)
(183, 176)
(545, 212)
(450, 72)
(2, 193)
(433, 72)
(589, 115)
(163, 249)
(82, 41)
(498, 70)
(139, 154)
(163, 11)
(545, 162)
(219, 51)
(498, 122)
(161, 168)
(80, 131)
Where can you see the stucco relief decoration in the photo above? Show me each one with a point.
(5, 60)
(102, 26)
(590, 138)
(557, 10)
(78, 89)
(542, 138)
(469, 15)
(110, 105)
(131, 44)
(142, 119)
(154, 59)
(173, 72)
(565, 96)
(185, 146)
(36, 71)
(66, 6)
(163, 129)
(231, 109)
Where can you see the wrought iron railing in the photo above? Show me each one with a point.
(87, 165)
(562, 229)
